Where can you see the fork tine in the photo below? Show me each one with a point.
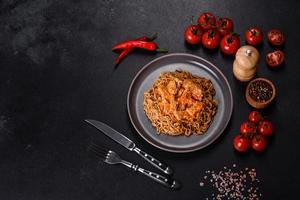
(98, 146)
(99, 155)
(98, 151)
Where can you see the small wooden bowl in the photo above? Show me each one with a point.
(253, 102)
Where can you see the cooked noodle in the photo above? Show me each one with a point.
(179, 103)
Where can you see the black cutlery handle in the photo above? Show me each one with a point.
(170, 183)
(156, 163)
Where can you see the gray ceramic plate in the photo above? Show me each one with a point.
(197, 66)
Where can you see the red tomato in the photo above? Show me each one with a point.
(241, 144)
(265, 128)
(225, 25)
(276, 37)
(211, 39)
(207, 20)
(247, 129)
(193, 34)
(230, 43)
(255, 117)
(254, 36)
(259, 143)
(275, 58)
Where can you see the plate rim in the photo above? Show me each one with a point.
(182, 150)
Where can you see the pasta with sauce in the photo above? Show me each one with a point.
(179, 103)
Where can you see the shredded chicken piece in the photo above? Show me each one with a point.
(181, 99)
(196, 107)
(195, 90)
(172, 88)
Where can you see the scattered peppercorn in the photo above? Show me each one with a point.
(260, 91)
(232, 183)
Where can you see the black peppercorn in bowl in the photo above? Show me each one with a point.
(260, 93)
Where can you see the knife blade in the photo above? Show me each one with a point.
(113, 134)
(128, 144)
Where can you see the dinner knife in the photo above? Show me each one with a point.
(128, 144)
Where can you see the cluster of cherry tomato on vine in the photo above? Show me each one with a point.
(211, 33)
(253, 133)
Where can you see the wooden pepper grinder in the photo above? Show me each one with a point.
(244, 65)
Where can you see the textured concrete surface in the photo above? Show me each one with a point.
(56, 69)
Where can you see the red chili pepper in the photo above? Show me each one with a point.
(143, 38)
(122, 55)
(141, 42)
(151, 46)
(125, 52)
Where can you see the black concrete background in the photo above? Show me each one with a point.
(56, 69)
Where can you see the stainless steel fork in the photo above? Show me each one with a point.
(110, 157)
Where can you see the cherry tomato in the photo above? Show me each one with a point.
(259, 143)
(275, 58)
(255, 117)
(247, 129)
(207, 20)
(254, 36)
(193, 34)
(211, 39)
(276, 37)
(241, 144)
(225, 25)
(265, 128)
(230, 43)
